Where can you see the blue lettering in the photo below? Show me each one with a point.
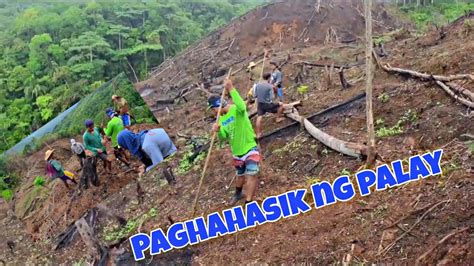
(284, 205)
(199, 234)
(228, 121)
(400, 175)
(417, 168)
(434, 161)
(177, 235)
(365, 180)
(254, 214)
(159, 243)
(318, 190)
(297, 203)
(235, 217)
(343, 188)
(140, 243)
(216, 225)
(385, 178)
(272, 209)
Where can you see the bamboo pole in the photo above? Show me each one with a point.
(210, 148)
(370, 75)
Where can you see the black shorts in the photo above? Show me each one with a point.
(263, 108)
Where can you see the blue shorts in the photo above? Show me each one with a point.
(125, 119)
(248, 163)
(280, 92)
(248, 168)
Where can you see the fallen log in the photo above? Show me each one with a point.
(458, 88)
(328, 65)
(322, 112)
(437, 78)
(455, 96)
(348, 148)
(87, 235)
(425, 76)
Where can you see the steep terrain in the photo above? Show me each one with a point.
(417, 116)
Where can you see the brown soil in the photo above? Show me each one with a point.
(293, 159)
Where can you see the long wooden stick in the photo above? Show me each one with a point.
(369, 70)
(210, 147)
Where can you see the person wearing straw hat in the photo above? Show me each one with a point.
(254, 76)
(54, 169)
(122, 108)
(234, 126)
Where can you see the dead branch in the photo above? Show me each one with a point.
(349, 148)
(391, 245)
(460, 89)
(444, 239)
(265, 17)
(437, 78)
(425, 76)
(133, 70)
(305, 29)
(315, 64)
(407, 215)
(231, 44)
(455, 96)
(200, 87)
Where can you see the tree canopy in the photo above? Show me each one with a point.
(53, 53)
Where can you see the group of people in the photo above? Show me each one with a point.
(150, 146)
(153, 146)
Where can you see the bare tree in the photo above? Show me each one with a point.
(369, 69)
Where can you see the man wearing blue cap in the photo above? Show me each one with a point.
(114, 127)
(93, 143)
(234, 126)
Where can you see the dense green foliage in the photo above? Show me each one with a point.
(93, 106)
(439, 13)
(54, 54)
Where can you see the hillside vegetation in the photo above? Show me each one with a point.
(53, 54)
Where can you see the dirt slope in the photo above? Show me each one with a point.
(362, 227)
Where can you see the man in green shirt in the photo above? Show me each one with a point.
(235, 127)
(114, 127)
(93, 143)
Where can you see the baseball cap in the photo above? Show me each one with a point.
(214, 101)
(110, 112)
(88, 123)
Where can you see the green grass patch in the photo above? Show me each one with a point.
(437, 14)
(303, 89)
(384, 97)
(410, 116)
(114, 234)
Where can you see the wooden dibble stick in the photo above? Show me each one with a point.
(210, 148)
